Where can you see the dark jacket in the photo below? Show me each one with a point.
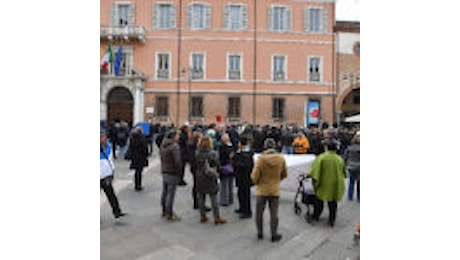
(243, 163)
(138, 151)
(206, 184)
(170, 157)
(351, 157)
(225, 152)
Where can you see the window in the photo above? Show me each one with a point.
(314, 69)
(122, 14)
(235, 17)
(161, 106)
(278, 109)
(234, 67)
(315, 20)
(163, 66)
(197, 107)
(279, 18)
(198, 16)
(197, 66)
(234, 107)
(279, 64)
(164, 16)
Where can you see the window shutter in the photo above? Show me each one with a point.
(244, 14)
(131, 14)
(226, 16)
(207, 16)
(155, 15)
(189, 15)
(306, 20)
(270, 18)
(173, 16)
(114, 14)
(323, 18)
(288, 19)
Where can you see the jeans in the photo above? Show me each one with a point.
(244, 198)
(215, 207)
(106, 186)
(169, 192)
(273, 203)
(353, 177)
(226, 190)
(288, 149)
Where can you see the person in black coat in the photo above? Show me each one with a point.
(138, 152)
(243, 163)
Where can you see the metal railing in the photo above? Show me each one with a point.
(127, 32)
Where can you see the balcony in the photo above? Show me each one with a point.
(234, 74)
(125, 32)
(278, 76)
(124, 73)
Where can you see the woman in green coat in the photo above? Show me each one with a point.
(328, 174)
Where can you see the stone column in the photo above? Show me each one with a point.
(138, 101)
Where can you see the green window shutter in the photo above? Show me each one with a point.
(114, 14)
(244, 14)
(323, 18)
(131, 14)
(288, 19)
(155, 15)
(270, 18)
(306, 20)
(189, 15)
(207, 17)
(226, 13)
(173, 16)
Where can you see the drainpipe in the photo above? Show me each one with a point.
(179, 42)
(254, 87)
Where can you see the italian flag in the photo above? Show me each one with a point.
(108, 58)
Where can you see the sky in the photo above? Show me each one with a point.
(347, 10)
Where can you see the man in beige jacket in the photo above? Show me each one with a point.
(267, 174)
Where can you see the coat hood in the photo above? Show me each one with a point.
(167, 142)
(272, 158)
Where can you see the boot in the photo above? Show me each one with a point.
(219, 220)
(203, 219)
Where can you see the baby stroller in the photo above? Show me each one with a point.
(305, 194)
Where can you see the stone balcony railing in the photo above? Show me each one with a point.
(124, 73)
(125, 32)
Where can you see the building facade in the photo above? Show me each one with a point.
(348, 68)
(231, 61)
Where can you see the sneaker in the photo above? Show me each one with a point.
(182, 183)
(207, 209)
(173, 217)
(276, 238)
(164, 215)
(219, 220)
(260, 236)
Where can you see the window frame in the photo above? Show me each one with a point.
(157, 65)
(320, 68)
(236, 116)
(279, 115)
(157, 106)
(229, 54)
(200, 107)
(203, 65)
(284, 67)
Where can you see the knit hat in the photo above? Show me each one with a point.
(269, 143)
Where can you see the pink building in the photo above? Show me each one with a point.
(260, 61)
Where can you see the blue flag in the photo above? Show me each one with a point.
(118, 60)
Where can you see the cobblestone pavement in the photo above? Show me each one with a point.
(145, 235)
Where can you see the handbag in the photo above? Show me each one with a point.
(227, 170)
(209, 171)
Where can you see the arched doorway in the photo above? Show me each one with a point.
(120, 105)
(349, 102)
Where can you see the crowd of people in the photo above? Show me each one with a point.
(221, 156)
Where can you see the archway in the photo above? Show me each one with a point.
(348, 102)
(120, 105)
